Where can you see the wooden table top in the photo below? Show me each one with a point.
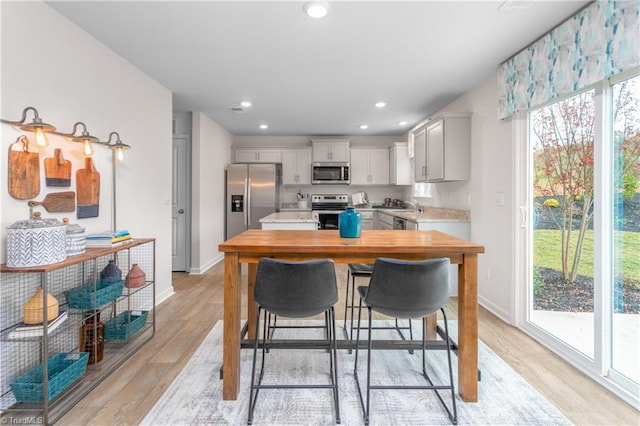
(370, 241)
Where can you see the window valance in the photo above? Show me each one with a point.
(598, 42)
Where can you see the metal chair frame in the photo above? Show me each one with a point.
(365, 404)
(267, 332)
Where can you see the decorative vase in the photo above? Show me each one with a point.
(350, 223)
(136, 277)
(111, 273)
(32, 311)
(92, 337)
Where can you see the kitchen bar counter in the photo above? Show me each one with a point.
(430, 214)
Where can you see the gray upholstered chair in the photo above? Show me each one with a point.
(295, 290)
(362, 270)
(407, 289)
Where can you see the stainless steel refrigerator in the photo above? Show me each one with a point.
(253, 192)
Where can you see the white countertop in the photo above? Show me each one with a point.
(430, 214)
(290, 216)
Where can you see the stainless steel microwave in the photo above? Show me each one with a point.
(329, 173)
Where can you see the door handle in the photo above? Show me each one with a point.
(181, 211)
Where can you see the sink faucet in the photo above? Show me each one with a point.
(415, 204)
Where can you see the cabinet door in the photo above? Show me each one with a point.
(322, 151)
(340, 151)
(245, 156)
(270, 156)
(304, 167)
(399, 164)
(379, 166)
(359, 167)
(420, 156)
(296, 167)
(435, 151)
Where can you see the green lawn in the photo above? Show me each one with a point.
(547, 252)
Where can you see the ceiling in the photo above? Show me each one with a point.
(317, 77)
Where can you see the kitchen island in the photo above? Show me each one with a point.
(290, 220)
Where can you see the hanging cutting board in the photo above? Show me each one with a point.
(57, 202)
(88, 190)
(57, 170)
(24, 170)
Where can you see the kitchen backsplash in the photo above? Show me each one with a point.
(376, 194)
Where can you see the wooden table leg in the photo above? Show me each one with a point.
(251, 303)
(431, 324)
(468, 328)
(231, 330)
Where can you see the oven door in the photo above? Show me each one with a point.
(328, 220)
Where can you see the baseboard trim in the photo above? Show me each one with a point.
(496, 310)
(210, 264)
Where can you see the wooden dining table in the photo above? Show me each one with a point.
(252, 245)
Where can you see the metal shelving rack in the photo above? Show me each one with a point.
(19, 355)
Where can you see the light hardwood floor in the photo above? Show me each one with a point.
(185, 319)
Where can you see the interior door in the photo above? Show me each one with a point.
(180, 202)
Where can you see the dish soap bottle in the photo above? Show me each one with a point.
(350, 223)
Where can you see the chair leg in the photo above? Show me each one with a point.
(253, 398)
(355, 364)
(366, 416)
(334, 365)
(353, 293)
(454, 418)
(346, 306)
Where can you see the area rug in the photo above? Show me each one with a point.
(195, 396)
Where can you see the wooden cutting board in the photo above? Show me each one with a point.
(57, 202)
(24, 170)
(57, 170)
(88, 190)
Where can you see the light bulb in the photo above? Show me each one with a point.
(120, 154)
(41, 138)
(88, 149)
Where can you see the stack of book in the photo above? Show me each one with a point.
(108, 238)
(23, 330)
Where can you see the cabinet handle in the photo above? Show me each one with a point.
(424, 170)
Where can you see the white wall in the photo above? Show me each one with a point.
(492, 176)
(211, 151)
(51, 64)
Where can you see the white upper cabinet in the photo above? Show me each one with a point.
(443, 150)
(369, 166)
(256, 155)
(400, 164)
(420, 156)
(330, 150)
(296, 166)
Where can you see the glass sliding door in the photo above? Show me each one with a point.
(583, 244)
(561, 299)
(625, 321)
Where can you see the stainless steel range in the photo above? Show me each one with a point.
(327, 207)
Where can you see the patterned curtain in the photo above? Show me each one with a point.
(598, 42)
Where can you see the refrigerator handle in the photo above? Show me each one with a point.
(247, 217)
(246, 204)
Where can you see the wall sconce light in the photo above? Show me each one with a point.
(118, 146)
(36, 126)
(85, 138)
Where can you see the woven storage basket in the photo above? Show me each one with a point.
(90, 296)
(32, 310)
(36, 242)
(62, 370)
(116, 328)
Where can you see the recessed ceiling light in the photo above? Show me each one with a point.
(316, 9)
(364, 126)
(264, 126)
(245, 104)
(402, 123)
(381, 104)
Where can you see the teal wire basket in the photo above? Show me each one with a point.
(124, 325)
(90, 296)
(63, 370)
